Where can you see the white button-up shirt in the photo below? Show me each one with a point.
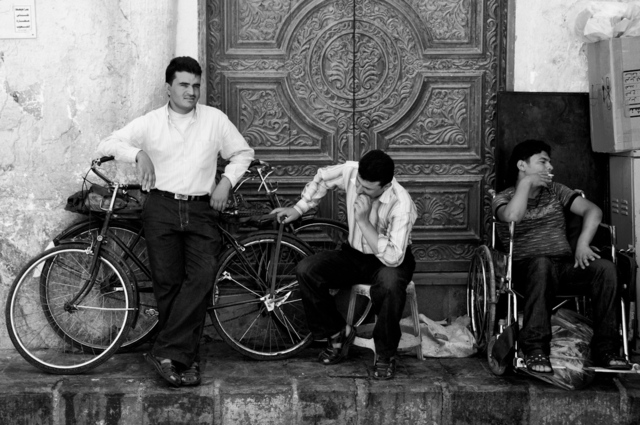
(183, 164)
(392, 214)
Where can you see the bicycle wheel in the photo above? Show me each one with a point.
(129, 234)
(322, 233)
(243, 311)
(58, 337)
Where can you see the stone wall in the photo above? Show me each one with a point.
(94, 66)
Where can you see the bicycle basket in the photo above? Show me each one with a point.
(97, 198)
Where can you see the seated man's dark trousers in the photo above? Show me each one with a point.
(540, 279)
(341, 269)
(183, 244)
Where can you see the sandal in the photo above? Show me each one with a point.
(332, 355)
(538, 358)
(190, 377)
(606, 360)
(384, 369)
(166, 370)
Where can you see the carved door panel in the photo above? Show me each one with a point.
(316, 82)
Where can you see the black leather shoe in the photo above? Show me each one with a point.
(166, 370)
(190, 377)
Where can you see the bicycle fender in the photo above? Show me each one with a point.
(60, 238)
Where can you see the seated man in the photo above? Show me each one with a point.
(381, 214)
(543, 261)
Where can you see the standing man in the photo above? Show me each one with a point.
(543, 260)
(176, 149)
(381, 215)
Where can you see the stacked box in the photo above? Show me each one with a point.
(614, 91)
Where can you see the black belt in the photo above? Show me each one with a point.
(181, 197)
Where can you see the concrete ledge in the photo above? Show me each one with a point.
(236, 390)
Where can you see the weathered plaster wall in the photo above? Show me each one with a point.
(94, 66)
(187, 30)
(549, 57)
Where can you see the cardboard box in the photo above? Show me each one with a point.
(614, 81)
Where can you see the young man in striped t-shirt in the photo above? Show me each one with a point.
(380, 213)
(543, 259)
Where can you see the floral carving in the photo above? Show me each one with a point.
(444, 121)
(442, 169)
(444, 210)
(448, 20)
(260, 20)
(353, 68)
(437, 253)
(265, 123)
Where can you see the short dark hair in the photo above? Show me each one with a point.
(522, 152)
(376, 166)
(182, 64)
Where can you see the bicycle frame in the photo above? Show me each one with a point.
(269, 299)
(232, 215)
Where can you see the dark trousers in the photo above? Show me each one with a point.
(183, 244)
(540, 279)
(344, 268)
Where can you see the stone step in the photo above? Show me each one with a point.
(237, 390)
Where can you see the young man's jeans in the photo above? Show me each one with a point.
(183, 244)
(540, 279)
(344, 268)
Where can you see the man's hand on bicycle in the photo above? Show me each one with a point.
(286, 215)
(146, 171)
(220, 194)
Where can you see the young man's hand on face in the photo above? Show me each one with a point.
(541, 179)
(537, 170)
(362, 207)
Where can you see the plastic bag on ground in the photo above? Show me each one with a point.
(441, 340)
(570, 351)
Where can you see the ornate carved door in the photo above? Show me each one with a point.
(316, 82)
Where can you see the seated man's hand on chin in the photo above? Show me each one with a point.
(286, 215)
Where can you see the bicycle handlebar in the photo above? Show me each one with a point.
(97, 162)
(102, 160)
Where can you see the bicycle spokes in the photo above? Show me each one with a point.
(257, 319)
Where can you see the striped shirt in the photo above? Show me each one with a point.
(185, 162)
(392, 214)
(542, 230)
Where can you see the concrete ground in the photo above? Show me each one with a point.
(237, 390)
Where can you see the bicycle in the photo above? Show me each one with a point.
(126, 239)
(89, 277)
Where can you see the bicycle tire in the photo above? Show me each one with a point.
(129, 232)
(62, 339)
(240, 308)
(322, 234)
